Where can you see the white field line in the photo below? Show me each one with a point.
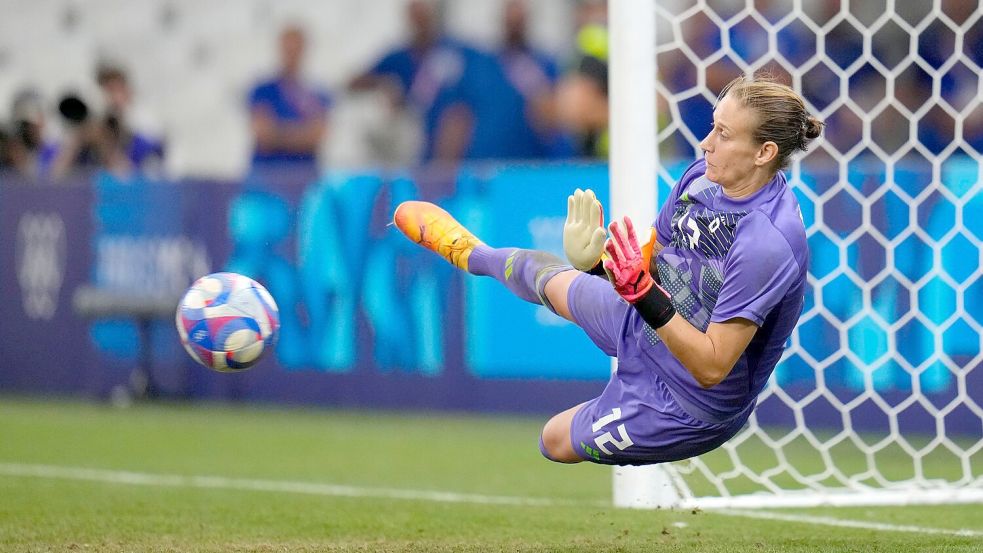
(284, 486)
(314, 488)
(847, 523)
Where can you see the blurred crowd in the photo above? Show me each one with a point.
(513, 102)
(103, 138)
(516, 101)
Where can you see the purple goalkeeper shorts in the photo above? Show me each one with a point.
(635, 420)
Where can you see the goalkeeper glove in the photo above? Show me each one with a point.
(628, 270)
(583, 234)
(583, 231)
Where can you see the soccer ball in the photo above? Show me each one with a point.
(227, 321)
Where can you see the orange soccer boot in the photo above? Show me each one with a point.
(433, 228)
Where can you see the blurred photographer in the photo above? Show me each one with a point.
(107, 140)
(24, 149)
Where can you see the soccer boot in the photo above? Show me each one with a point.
(435, 229)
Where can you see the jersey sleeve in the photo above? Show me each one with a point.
(759, 270)
(259, 95)
(386, 65)
(398, 66)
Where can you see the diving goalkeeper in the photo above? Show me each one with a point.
(698, 316)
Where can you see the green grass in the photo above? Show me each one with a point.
(449, 453)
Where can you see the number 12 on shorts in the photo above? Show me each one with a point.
(607, 438)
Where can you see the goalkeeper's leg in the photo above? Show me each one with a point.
(555, 443)
(535, 276)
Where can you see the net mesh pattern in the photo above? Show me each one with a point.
(881, 386)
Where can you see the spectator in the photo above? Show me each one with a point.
(425, 76)
(109, 140)
(24, 148)
(289, 118)
(137, 140)
(526, 80)
(582, 96)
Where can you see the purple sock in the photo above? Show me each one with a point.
(524, 272)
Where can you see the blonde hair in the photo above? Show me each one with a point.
(782, 115)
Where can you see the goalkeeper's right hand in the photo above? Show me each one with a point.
(628, 271)
(583, 231)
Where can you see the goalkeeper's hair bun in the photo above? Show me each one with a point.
(813, 128)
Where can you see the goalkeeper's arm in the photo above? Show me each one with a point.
(709, 356)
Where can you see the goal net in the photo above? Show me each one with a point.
(878, 396)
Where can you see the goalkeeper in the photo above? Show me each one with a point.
(697, 317)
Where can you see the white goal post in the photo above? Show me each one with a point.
(877, 400)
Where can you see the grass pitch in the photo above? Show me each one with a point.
(308, 480)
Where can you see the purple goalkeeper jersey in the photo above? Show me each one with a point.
(725, 258)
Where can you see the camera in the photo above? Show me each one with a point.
(73, 109)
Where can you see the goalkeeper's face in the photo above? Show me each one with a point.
(731, 151)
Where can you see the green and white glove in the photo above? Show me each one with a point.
(583, 232)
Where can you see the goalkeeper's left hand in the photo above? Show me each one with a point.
(583, 231)
(627, 268)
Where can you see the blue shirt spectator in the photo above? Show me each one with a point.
(290, 103)
(472, 104)
(428, 79)
(289, 118)
(503, 120)
(457, 90)
(523, 83)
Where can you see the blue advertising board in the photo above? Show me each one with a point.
(525, 207)
(371, 319)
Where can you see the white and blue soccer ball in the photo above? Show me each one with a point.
(227, 321)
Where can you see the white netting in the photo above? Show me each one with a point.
(878, 398)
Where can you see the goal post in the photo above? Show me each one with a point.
(634, 159)
(877, 399)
